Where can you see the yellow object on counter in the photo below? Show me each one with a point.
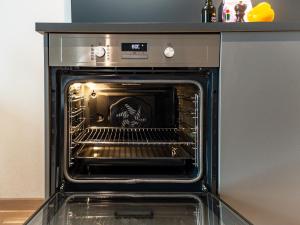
(263, 12)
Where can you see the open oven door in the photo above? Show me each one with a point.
(135, 209)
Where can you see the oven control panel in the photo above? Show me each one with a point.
(169, 52)
(99, 51)
(135, 50)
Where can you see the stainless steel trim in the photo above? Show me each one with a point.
(47, 116)
(220, 116)
(191, 50)
(134, 181)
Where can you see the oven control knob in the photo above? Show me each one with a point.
(99, 51)
(169, 52)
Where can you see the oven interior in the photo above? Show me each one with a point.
(121, 131)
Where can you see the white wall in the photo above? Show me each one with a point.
(21, 95)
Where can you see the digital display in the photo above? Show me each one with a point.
(134, 47)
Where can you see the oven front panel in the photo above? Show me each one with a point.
(115, 152)
(139, 50)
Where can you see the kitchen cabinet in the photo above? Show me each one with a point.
(17, 211)
(260, 125)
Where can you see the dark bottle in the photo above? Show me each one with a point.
(209, 14)
(220, 12)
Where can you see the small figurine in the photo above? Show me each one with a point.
(227, 16)
(240, 11)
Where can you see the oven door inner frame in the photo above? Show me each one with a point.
(198, 154)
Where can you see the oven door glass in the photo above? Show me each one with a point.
(135, 209)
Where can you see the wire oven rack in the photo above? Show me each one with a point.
(134, 152)
(134, 136)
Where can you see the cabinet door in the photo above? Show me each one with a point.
(260, 125)
(135, 209)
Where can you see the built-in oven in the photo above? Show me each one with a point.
(132, 130)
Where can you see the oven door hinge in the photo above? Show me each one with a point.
(62, 186)
(204, 188)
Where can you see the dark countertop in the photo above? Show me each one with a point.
(165, 27)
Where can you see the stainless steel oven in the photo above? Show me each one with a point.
(132, 130)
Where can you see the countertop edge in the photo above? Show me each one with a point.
(165, 27)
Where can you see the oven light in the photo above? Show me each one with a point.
(91, 86)
(75, 86)
(97, 86)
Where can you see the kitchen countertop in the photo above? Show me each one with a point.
(166, 27)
